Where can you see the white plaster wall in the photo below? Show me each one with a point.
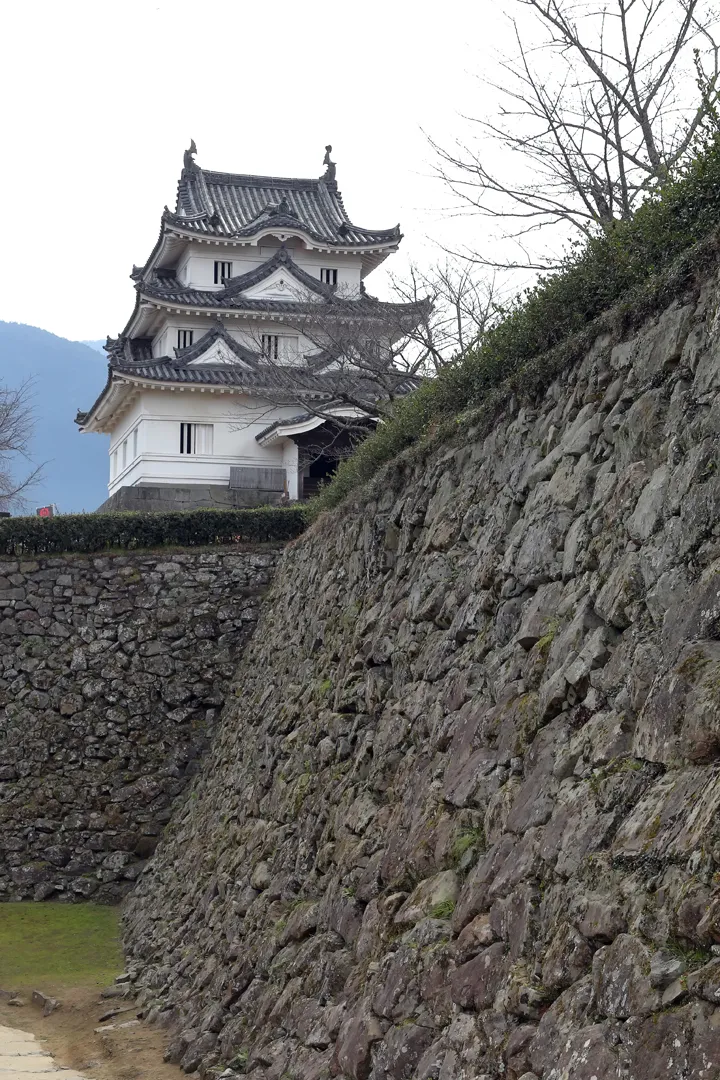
(122, 457)
(291, 457)
(248, 332)
(236, 420)
(166, 340)
(250, 335)
(196, 268)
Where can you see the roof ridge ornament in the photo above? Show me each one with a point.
(329, 174)
(189, 165)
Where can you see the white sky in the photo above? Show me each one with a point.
(101, 98)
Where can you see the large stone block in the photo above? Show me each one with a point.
(680, 721)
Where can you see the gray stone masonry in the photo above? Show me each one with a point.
(113, 670)
(462, 821)
(161, 498)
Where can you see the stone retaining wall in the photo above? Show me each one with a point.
(463, 820)
(113, 670)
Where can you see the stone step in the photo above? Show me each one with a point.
(22, 1057)
(26, 1063)
(8, 1047)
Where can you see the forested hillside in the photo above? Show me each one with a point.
(66, 376)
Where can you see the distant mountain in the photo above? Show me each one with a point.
(66, 376)
(98, 346)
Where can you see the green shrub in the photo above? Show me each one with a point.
(99, 532)
(634, 269)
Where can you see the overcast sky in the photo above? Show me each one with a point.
(101, 98)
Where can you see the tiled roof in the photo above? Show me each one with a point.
(232, 204)
(288, 420)
(296, 381)
(128, 349)
(287, 384)
(131, 358)
(162, 284)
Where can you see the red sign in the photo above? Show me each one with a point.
(45, 511)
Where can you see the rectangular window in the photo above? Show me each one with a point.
(124, 453)
(185, 338)
(196, 438)
(271, 346)
(222, 270)
(289, 349)
(135, 443)
(281, 347)
(328, 276)
(113, 465)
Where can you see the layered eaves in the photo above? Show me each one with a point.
(131, 369)
(161, 288)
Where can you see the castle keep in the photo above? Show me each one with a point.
(229, 362)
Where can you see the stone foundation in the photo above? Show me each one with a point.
(113, 672)
(164, 497)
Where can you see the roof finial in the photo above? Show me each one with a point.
(188, 158)
(329, 173)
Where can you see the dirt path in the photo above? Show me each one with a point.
(118, 1053)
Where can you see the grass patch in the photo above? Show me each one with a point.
(694, 957)
(442, 910)
(58, 944)
(467, 840)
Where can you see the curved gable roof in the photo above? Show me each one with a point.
(235, 204)
(164, 286)
(201, 346)
(282, 259)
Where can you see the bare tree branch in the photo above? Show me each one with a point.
(356, 357)
(16, 429)
(598, 111)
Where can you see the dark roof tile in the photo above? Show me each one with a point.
(301, 418)
(163, 285)
(232, 204)
(296, 381)
(282, 259)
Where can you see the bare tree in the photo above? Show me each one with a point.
(360, 355)
(463, 305)
(598, 110)
(16, 429)
(355, 358)
(368, 353)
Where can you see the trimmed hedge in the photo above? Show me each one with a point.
(100, 532)
(628, 270)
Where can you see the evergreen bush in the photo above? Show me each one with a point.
(128, 530)
(547, 327)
